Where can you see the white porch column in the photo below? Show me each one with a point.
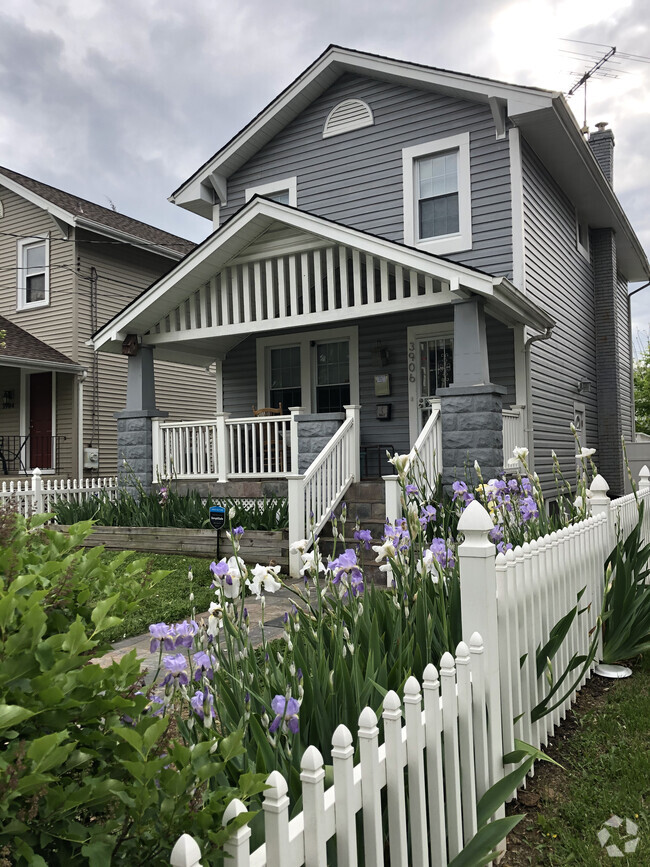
(295, 412)
(353, 411)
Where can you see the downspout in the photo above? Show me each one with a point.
(529, 393)
(80, 424)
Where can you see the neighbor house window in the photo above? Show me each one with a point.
(437, 196)
(285, 191)
(33, 278)
(285, 377)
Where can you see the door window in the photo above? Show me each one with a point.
(285, 373)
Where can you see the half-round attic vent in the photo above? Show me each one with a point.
(347, 115)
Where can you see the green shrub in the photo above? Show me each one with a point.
(166, 508)
(89, 774)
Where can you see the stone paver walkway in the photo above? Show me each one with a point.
(276, 605)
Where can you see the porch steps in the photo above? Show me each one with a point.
(366, 501)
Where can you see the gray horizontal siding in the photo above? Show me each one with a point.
(356, 178)
(559, 278)
(501, 357)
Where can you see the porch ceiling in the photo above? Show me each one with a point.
(272, 267)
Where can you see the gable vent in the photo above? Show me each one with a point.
(347, 115)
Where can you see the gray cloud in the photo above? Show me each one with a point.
(123, 99)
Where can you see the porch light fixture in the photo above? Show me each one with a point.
(8, 399)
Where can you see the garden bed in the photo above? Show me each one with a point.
(256, 546)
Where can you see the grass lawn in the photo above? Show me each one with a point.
(604, 747)
(170, 600)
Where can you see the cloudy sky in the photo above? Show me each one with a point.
(119, 101)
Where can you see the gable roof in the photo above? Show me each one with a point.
(74, 211)
(22, 349)
(246, 227)
(543, 116)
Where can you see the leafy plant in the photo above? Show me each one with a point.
(88, 773)
(626, 631)
(166, 508)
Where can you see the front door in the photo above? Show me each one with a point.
(430, 367)
(40, 420)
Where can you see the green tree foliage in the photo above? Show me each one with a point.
(89, 773)
(642, 391)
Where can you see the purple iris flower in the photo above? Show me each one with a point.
(442, 553)
(411, 489)
(528, 508)
(513, 484)
(346, 565)
(161, 633)
(175, 665)
(202, 704)
(461, 492)
(218, 570)
(185, 632)
(526, 484)
(204, 662)
(427, 513)
(363, 536)
(238, 531)
(502, 547)
(496, 534)
(286, 714)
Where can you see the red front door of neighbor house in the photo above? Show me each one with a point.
(40, 420)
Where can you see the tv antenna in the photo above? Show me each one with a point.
(587, 75)
(602, 65)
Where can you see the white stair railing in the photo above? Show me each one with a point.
(427, 449)
(314, 494)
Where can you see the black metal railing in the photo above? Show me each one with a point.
(18, 454)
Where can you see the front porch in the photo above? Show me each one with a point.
(347, 338)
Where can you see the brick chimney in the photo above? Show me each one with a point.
(601, 143)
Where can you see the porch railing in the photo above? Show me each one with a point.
(514, 432)
(18, 454)
(428, 450)
(222, 448)
(316, 493)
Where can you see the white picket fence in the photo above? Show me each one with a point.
(445, 734)
(314, 494)
(36, 495)
(469, 721)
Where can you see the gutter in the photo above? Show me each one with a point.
(60, 366)
(127, 238)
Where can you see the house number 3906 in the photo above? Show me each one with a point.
(411, 361)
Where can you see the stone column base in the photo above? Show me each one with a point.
(135, 448)
(472, 430)
(315, 430)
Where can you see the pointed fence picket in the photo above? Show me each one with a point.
(429, 819)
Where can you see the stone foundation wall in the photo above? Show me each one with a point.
(314, 432)
(472, 430)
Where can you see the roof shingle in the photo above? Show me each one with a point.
(19, 343)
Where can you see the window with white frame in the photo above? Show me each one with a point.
(284, 191)
(437, 195)
(33, 276)
(318, 370)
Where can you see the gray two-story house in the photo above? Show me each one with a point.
(403, 241)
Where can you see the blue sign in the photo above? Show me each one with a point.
(217, 517)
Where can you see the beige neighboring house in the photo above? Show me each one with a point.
(67, 266)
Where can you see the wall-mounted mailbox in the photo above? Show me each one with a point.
(382, 384)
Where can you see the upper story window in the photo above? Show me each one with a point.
(437, 195)
(33, 273)
(284, 191)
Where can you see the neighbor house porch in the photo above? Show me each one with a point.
(357, 344)
(38, 397)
